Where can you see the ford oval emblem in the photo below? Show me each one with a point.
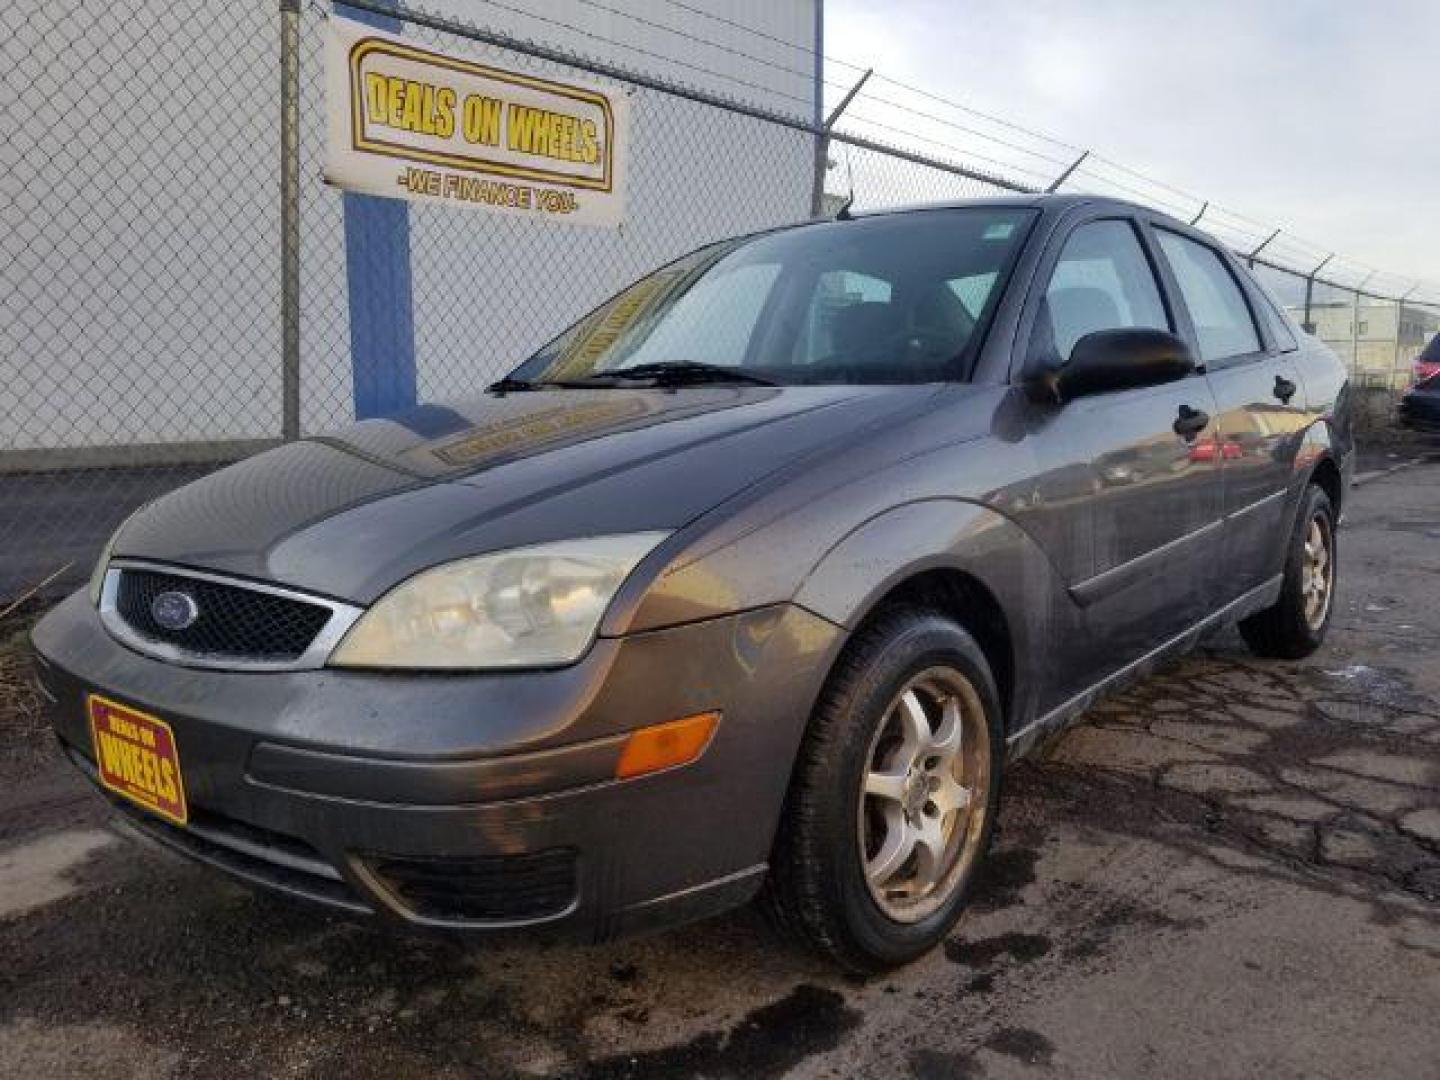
(174, 610)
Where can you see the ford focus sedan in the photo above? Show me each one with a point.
(751, 583)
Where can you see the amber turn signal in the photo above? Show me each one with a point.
(663, 746)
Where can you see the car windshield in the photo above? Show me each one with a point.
(1431, 353)
(898, 298)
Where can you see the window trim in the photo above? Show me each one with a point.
(1262, 334)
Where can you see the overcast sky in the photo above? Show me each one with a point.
(1321, 117)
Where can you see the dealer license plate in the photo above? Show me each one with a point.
(137, 757)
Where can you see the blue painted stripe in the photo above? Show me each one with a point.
(381, 296)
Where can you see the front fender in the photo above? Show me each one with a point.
(850, 579)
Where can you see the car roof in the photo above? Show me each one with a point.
(1052, 203)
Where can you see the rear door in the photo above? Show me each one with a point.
(1152, 504)
(1261, 405)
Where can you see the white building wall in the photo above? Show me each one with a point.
(139, 232)
(138, 291)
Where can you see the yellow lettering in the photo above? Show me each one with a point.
(106, 748)
(168, 790)
(480, 120)
(375, 97)
(552, 134)
(410, 118)
(395, 102)
(445, 112)
(522, 131)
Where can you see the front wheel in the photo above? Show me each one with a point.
(894, 795)
(1295, 625)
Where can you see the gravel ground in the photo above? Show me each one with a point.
(1232, 870)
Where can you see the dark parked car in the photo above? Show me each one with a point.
(753, 581)
(1420, 406)
(1427, 364)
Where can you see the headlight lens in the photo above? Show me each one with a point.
(97, 575)
(529, 607)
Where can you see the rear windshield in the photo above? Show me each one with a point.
(1431, 355)
(896, 298)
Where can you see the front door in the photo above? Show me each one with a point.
(1154, 499)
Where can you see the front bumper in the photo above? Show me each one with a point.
(480, 801)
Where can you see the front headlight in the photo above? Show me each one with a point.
(528, 607)
(97, 575)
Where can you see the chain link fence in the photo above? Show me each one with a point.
(163, 312)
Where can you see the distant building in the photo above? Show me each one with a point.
(1378, 339)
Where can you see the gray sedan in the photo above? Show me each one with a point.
(751, 583)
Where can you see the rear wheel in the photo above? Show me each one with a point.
(894, 796)
(1295, 625)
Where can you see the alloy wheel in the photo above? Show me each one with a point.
(1317, 572)
(924, 794)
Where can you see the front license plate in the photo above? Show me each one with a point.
(137, 757)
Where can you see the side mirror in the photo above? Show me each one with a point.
(1110, 360)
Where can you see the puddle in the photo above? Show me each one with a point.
(985, 951)
(1386, 687)
(770, 1041)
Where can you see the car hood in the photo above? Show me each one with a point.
(352, 513)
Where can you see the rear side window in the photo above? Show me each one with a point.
(1279, 328)
(1102, 281)
(1223, 323)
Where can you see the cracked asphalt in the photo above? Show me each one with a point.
(1232, 870)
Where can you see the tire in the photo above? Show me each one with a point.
(1289, 629)
(818, 890)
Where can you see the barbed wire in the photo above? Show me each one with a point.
(1245, 224)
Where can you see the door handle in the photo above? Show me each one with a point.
(1190, 422)
(1284, 389)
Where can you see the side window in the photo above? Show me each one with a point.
(1279, 328)
(1101, 282)
(1271, 310)
(1223, 323)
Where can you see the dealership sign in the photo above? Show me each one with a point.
(411, 123)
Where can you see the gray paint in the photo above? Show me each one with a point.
(1107, 541)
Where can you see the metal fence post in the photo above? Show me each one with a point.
(1069, 171)
(1399, 327)
(822, 144)
(1355, 335)
(290, 219)
(1309, 326)
(1263, 245)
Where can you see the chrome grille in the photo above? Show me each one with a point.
(235, 623)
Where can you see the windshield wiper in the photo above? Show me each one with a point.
(509, 384)
(512, 385)
(680, 374)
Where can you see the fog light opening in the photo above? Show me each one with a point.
(664, 746)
